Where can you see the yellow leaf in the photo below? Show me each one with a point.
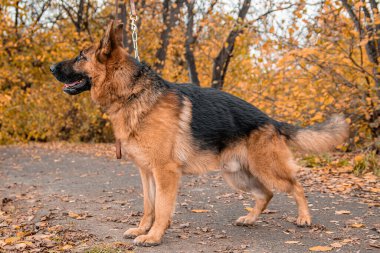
(11, 240)
(73, 215)
(21, 234)
(357, 225)
(200, 211)
(249, 209)
(320, 248)
(358, 158)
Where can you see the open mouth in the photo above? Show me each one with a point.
(77, 86)
(74, 82)
(72, 85)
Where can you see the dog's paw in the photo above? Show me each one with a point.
(246, 220)
(134, 232)
(303, 220)
(146, 241)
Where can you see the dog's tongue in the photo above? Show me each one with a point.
(72, 84)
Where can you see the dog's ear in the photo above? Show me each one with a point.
(118, 34)
(112, 38)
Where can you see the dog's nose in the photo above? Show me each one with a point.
(52, 68)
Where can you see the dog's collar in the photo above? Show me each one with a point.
(118, 149)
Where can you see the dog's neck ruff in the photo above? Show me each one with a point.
(132, 98)
(132, 109)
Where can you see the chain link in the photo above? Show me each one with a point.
(134, 35)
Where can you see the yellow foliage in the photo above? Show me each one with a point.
(301, 82)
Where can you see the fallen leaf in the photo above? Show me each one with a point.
(73, 215)
(336, 245)
(321, 248)
(20, 246)
(78, 216)
(11, 240)
(21, 234)
(343, 212)
(200, 211)
(357, 225)
(292, 242)
(375, 190)
(67, 247)
(375, 245)
(29, 244)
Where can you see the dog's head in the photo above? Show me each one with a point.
(89, 68)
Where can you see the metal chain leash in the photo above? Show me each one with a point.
(134, 35)
(134, 18)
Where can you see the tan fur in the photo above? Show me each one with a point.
(322, 138)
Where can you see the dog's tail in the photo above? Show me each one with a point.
(319, 137)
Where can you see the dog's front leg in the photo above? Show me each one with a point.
(166, 180)
(149, 199)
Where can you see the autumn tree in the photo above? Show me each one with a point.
(299, 61)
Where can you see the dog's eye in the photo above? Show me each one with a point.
(81, 57)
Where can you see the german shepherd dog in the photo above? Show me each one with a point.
(170, 129)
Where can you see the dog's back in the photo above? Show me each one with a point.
(219, 119)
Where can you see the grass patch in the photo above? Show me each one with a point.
(315, 161)
(365, 163)
(116, 247)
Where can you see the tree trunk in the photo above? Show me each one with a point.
(221, 62)
(368, 31)
(170, 17)
(189, 54)
(16, 18)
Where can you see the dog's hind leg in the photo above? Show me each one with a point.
(243, 180)
(149, 198)
(303, 210)
(262, 197)
(166, 180)
(271, 161)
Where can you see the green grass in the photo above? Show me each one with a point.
(313, 161)
(367, 163)
(111, 248)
